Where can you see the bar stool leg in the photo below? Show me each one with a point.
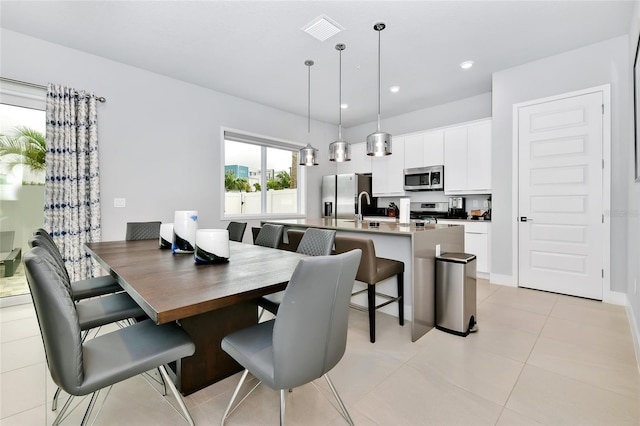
(371, 296)
(401, 297)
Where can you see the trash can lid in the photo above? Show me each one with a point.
(456, 257)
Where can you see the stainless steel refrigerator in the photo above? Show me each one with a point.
(340, 195)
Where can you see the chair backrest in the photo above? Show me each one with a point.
(45, 241)
(270, 235)
(143, 230)
(310, 330)
(317, 242)
(57, 318)
(236, 230)
(368, 264)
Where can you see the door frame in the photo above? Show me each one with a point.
(607, 294)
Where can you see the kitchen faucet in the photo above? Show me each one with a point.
(359, 217)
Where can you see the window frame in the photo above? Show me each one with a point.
(264, 142)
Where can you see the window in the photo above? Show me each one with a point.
(22, 156)
(261, 176)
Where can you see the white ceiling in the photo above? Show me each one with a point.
(256, 50)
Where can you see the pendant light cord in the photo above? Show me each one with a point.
(379, 81)
(309, 102)
(340, 95)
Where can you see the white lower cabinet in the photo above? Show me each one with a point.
(476, 241)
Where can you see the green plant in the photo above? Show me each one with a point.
(281, 181)
(233, 183)
(257, 187)
(28, 147)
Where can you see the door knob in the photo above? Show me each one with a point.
(525, 219)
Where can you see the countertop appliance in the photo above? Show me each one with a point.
(457, 208)
(340, 195)
(424, 179)
(429, 210)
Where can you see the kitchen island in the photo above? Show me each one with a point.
(414, 245)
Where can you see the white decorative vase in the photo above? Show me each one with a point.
(212, 246)
(166, 235)
(185, 225)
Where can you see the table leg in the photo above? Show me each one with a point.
(209, 363)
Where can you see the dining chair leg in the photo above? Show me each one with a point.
(234, 396)
(281, 407)
(92, 403)
(169, 383)
(401, 298)
(371, 297)
(345, 413)
(63, 410)
(54, 403)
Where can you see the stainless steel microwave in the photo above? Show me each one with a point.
(424, 179)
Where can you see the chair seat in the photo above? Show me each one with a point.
(387, 268)
(114, 357)
(93, 287)
(252, 347)
(106, 310)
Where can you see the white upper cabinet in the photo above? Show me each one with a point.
(424, 149)
(388, 172)
(360, 161)
(434, 148)
(467, 158)
(479, 157)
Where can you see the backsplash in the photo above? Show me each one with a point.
(472, 202)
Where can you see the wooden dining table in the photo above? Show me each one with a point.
(209, 301)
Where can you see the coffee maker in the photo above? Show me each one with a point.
(456, 208)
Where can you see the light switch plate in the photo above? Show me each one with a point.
(119, 202)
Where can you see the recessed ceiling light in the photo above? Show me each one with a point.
(322, 28)
(466, 65)
(394, 89)
(344, 106)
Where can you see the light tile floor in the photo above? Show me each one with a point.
(538, 358)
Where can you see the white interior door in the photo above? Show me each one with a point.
(560, 229)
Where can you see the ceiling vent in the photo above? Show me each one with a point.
(322, 28)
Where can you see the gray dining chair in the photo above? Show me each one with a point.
(81, 289)
(143, 230)
(85, 367)
(269, 235)
(91, 313)
(372, 270)
(309, 335)
(314, 242)
(236, 230)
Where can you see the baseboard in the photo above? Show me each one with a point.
(615, 298)
(506, 280)
(635, 332)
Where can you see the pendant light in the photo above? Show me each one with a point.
(379, 143)
(339, 150)
(308, 155)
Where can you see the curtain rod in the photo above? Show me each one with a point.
(40, 86)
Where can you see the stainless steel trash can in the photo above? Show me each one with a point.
(456, 293)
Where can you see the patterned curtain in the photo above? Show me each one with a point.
(72, 183)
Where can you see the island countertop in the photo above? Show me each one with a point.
(351, 225)
(415, 246)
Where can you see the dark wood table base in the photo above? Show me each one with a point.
(210, 364)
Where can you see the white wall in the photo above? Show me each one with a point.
(473, 108)
(590, 66)
(159, 137)
(633, 201)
